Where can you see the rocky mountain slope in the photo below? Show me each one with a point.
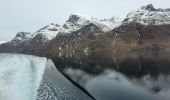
(144, 29)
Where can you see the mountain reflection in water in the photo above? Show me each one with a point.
(124, 76)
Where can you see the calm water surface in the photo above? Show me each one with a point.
(144, 76)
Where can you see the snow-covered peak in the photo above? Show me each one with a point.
(44, 34)
(49, 32)
(148, 15)
(22, 37)
(76, 21)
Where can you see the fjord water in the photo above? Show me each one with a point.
(24, 77)
(144, 76)
(126, 76)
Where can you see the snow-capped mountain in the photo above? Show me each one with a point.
(75, 29)
(77, 21)
(146, 27)
(45, 34)
(49, 32)
(29, 41)
(78, 28)
(148, 15)
(22, 37)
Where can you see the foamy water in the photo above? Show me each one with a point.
(24, 77)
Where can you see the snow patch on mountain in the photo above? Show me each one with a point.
(49, 32)
(22, 37)
(1, 42)
(77, 21)
(46, 33)
(148, 15)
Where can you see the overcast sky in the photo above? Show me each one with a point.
(30, 15)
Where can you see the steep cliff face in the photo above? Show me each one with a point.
(147, 28)
(142, 37)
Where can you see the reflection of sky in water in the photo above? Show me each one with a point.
(113, 85)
